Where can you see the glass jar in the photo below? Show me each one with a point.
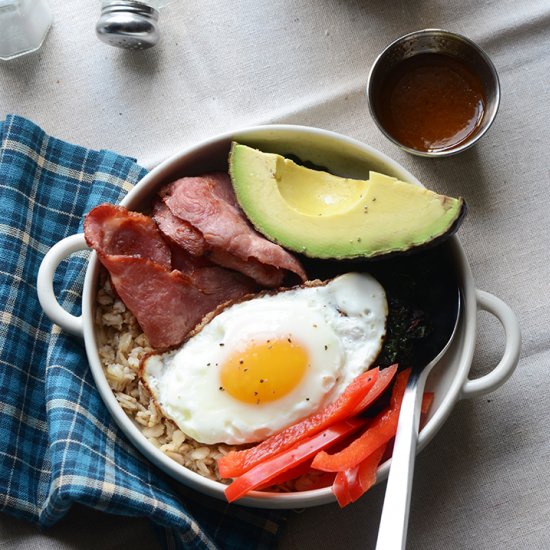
(24, 25)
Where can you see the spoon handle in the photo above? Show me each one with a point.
(392, 533)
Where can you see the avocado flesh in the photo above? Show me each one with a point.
(325, 216)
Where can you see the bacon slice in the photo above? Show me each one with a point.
(209, 277)
(179, 231)
(114, 230)
(189, 239)
(208, 204)
(167, 303)
(266, 275)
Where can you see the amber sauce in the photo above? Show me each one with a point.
(431, 102)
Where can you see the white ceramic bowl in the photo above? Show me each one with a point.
(343, 156)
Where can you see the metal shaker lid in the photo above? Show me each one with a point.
(128, 24)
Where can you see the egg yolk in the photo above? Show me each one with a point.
(264, 371)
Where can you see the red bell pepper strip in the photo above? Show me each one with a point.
(379, 432)
(351, 484)
(365, 474)
(383, 381)
(340, 488)
(304, 450)
(291, 473)
(235, 463)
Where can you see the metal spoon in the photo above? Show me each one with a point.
(392, 533)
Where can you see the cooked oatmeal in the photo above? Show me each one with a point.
(122, 344)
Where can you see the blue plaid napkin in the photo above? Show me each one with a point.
(58, 444)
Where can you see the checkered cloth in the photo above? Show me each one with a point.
(58, 444)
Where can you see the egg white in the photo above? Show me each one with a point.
(341, 325)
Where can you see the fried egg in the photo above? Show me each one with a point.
(263, 364)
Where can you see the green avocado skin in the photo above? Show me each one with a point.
(383, 218)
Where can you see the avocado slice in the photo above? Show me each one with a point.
(325, 216)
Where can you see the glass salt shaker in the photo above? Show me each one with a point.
(24, 25)
(130, 24)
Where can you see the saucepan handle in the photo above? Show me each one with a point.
(44, 283)
(492, 380)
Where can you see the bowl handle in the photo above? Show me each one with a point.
(44, 283)
(510, 358)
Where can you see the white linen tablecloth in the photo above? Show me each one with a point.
(484, 481)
